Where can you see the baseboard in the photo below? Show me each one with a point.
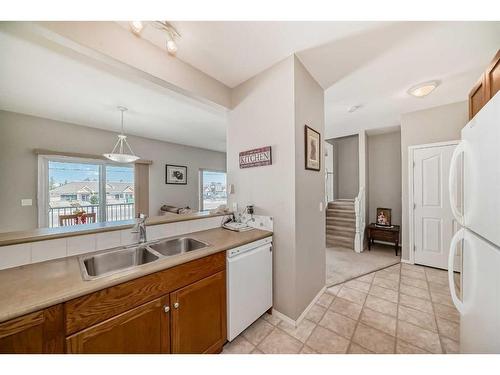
(406, 261)
(295, 323)
(386, 243)
(284, 317)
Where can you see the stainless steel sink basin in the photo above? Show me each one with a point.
(110, 262)
(177, 246)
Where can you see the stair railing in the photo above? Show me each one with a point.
(359, 209)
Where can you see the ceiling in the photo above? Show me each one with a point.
(371, 64)
(375, 69)
(55, 84)
(234, 51)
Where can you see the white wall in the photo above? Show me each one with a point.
(108, 38)
(21, 134)
(438, 124)
(384, 169)
(270, 109)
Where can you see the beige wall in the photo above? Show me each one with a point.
(346, 167)
(21, 134)
(438, 124)
(263, 115)
(270, 110)
(309, 192)
(384, 169)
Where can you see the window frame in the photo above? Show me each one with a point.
(200, 185)
(43, 197)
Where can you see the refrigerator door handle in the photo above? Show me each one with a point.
(451, 183)
(457, 238)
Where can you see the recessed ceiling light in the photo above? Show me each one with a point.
(423, 89)
(354, 108)
(136, 27)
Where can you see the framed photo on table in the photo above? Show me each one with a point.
(384, 217)
(175, 174)
(312, 149)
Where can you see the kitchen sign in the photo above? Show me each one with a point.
(256, 158)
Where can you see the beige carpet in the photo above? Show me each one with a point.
(344, 264)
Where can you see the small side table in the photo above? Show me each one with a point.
(379, 233)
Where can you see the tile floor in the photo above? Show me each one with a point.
(400, 309)
(344, 264)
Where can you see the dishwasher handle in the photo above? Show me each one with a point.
(238, 251)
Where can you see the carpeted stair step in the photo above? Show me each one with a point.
(341, 221)
(335, 240)
(341, 204)
(341, 231)
(340, 213)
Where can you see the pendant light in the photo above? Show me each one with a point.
(121, 156)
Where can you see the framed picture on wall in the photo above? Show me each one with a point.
(312, 149)
(384, 217)
(175, 174)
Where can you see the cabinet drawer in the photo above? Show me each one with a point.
(383, 235)
(35, 333)
(93, 308)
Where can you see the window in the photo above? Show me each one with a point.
(76, 186)
(212, 189)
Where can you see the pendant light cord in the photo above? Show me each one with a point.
(121, 110)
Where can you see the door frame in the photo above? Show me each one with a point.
(411, 216)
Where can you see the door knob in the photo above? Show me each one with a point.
(166, 309)
(176, 305)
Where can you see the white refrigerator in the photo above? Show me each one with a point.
(479, 299)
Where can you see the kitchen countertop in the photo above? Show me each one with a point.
(41, 234)
(36, 286)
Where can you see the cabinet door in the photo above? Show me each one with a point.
(35, 333)
(477, 97)
(493, 77)
(199, 316)
(144, 329)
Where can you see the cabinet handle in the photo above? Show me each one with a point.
(166, 309)
(176, 305)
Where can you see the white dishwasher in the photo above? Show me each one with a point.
(249, 284)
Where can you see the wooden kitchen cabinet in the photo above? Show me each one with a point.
(486, 87)
(181, 310)
(36, 333)
(477, 97)
(199, 316)
(492, 77)
(144, 329)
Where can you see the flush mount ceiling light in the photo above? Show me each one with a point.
(423, 89)
(136, 27)
(121, 145)
(171, 33)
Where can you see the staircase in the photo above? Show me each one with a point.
(340, 223)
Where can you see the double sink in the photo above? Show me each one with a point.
(114, 261)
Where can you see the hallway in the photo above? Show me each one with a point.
(344, 264)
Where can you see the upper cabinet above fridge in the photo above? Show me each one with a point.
(486, 87)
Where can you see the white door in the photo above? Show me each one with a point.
(433, 221)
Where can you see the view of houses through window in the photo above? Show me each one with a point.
(213, 189)
(82, 192)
